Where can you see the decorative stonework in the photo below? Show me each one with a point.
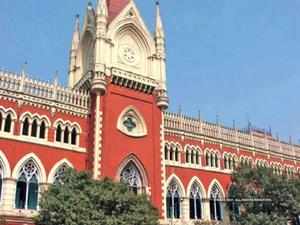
(131, 123)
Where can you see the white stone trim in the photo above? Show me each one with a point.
(31, 156)
(141, 129)
(43, 142)
(55, 167)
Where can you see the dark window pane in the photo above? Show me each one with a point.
(169, 206)
(73, 137)
(20, 195)
(32, 195)
(25, 130)
(58, 133)
(166, 153)
(43, 130)
(176, 207)
(198, 208)
(7, 125)
(34, 128)
(66, 135)
(192, 209)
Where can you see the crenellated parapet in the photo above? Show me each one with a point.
(197, 128)
(21, 87)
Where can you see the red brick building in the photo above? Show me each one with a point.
(112, 120)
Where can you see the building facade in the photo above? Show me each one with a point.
(112, 121)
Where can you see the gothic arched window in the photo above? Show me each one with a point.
(131, 176)
(216, 210)
(27, 187)
(8, 122)
(74, 136)
(58, 133)
(34, 128)
(195, 202)
(43, 130)
(59, 174)
(66, 135)
(25, 129)
(173, 201)
(166, 152)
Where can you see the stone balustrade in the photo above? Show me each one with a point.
(235, 136)
(23, 85)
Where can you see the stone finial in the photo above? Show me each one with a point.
(102, 9)
(159, 31)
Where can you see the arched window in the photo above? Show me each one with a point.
(225, 162)
(193, 157)
(25, 129)
(197, 158)
(171, 157)
(208, 159)
(166, 153)
(74, 136)
(212, 160)
(173, 201)
(8, 122)
(216, 161)
(59, 174)
(176, 154)
(34, 128)
(195, 202)
(43, 130)
(66, 135)
(216, 211)
(27, 187)
(187, 156)
(58, 133)
(131, 176)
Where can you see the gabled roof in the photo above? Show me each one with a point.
(115, 7)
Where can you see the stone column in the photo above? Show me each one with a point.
(8, 193)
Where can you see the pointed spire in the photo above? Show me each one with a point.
(159, 32)
(102, 8)
(76, 34)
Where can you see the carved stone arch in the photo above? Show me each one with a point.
(132, 123)
(31, 156)
(56, 167)
(132, 159)
(6, 171)
(136, 21)
(216, 182)
(176, 179)
(25, 115)
(10, 111)
(200, 184)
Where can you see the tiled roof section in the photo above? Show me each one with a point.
(115, 7)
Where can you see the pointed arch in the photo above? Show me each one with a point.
(212, 184)
(132, 159)
(5, 165)
(56, 167)
(31, 156)
(132, 123)
(175, 178)
(199, 183)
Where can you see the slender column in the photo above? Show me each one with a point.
(96, 171)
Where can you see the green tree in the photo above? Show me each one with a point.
(80, 200)
(273, 199)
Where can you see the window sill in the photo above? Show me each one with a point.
(43, 142)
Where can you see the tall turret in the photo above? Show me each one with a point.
(99, 80)
(73, 50)
(162, 98)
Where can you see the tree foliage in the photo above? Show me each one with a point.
(266, 198)
(80, 200)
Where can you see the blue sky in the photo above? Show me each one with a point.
(238, 59)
